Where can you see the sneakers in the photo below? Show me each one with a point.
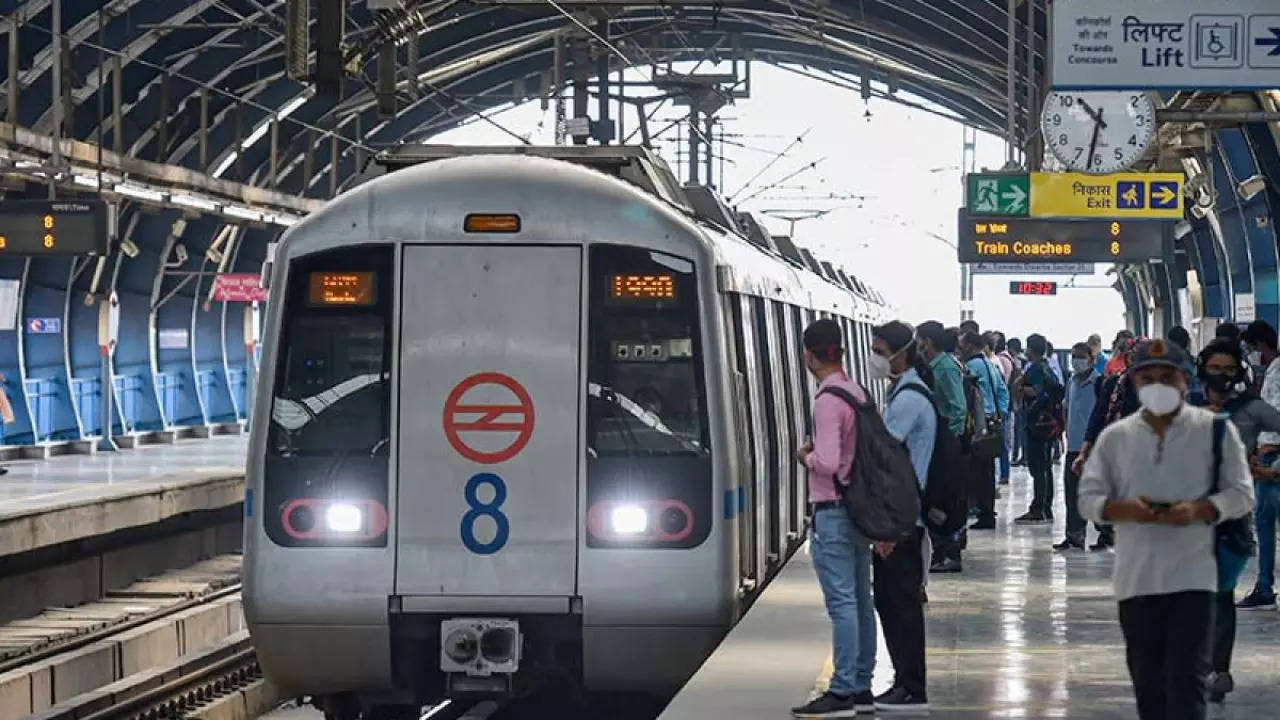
(1031, 518)
(899, 700)
(1104, 543)
(1069, 544)
(830, 705)
(1004, 481)
(946, 566)
(1258, 601)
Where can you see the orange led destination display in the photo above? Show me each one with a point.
(1039, 240)
(643, 287)
(53, 227)
(335, 288)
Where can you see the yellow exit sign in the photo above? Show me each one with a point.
(1122, 195)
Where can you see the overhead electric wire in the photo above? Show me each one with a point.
(799, 139)
(771, 186)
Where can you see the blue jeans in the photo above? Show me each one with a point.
(1266, 511)
(843, 563)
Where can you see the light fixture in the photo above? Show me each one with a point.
(86, 180)
(242, 212)
(344, 518)
(1249, 188)
(129, 248)
(192, 201)
(1199, 211)
(1181, 229)
(629, 520)
(139, 192)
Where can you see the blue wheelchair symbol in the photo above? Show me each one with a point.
(1131, 195)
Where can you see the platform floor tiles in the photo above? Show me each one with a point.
(37, 484)
(1024, 632)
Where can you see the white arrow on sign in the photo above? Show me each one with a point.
(1016, 198)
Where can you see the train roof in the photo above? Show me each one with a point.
(646, 170)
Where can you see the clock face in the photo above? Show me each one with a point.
(1098, 132)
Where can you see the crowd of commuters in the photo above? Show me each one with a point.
(1165, 454)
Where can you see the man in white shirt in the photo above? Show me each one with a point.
(1151, 475)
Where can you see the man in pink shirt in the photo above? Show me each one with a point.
(841, 557)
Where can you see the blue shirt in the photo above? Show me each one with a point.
(994, 391)
(1055, 366)
(1101, 366)
(910, 417)
(1082, 396)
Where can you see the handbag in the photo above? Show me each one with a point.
(1234, 538)
(989, 443)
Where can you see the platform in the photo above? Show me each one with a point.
(48, 502)
(1023, 632)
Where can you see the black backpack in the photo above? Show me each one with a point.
(1046, 418)
(880, 494)
(945, 500)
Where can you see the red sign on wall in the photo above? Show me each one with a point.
(238, 287)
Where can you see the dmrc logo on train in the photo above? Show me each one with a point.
(488, 419)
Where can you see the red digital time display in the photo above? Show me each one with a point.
(1033, 287)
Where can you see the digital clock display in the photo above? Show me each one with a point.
(342, 289)
(642, 287)
(53, 227)
(1033, 287)
(1041, 240)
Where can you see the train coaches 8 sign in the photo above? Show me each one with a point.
(488, 433)
(53, 227)
(1003, 240)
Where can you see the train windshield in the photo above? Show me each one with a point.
(331, 388)
(645, 393)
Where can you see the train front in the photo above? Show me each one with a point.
(488, 461)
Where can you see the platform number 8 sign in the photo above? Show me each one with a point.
(502, 419)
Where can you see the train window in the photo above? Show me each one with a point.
(329, 433)
(798, 318)
(647, 433)
(645, 388)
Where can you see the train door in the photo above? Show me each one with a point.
(489, 421)
(769, 367)
(745, 430)
(756, 372)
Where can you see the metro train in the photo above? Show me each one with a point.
(527, 413)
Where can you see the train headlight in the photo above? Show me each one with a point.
(629, 520)
(344, 518)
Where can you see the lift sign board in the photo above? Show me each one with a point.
(53, 227)
(1165, 44)
(1007, 240)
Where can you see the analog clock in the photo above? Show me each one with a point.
(1098, 132)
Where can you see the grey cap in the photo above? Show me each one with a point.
(1162, 352)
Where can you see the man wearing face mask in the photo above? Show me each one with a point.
(995, 401)
(1152, 475)
(1084, 389)
(1118, 399)
(909, 416)
(948, 386)
(1261, 339)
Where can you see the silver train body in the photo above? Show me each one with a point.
(524, 416)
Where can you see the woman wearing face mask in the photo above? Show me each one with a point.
(1221, 369)
(910, 417)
